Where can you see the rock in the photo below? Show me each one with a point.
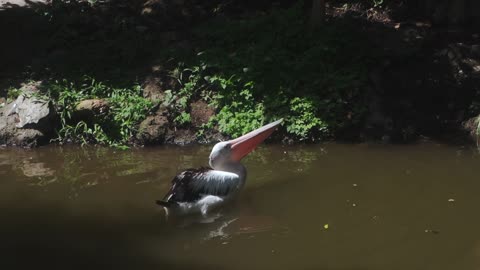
(211, 137)
(181, 136)
(30, 111)
(93, 106)
(153, 130)
(153, 89)
(28, 138)
(28, 121)
(200, 113)
(31, 87)
(90, 109)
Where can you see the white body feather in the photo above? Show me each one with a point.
(209, 184)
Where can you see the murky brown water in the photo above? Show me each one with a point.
(304, 207)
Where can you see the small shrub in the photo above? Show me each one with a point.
(303, 121)
(127, 109)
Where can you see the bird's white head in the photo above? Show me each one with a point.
(236, 149)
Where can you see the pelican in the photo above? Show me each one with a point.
(199, 190)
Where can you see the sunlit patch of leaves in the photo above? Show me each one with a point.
(127, 109)
(13, 93)
(303, 120)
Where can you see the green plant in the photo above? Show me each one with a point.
(191, 83)
(303, 121)
(83, 134)
(13, 93)
(269, 67)
(127, 109)
(478, 125)
(377, 3)
(240, 112)
(282, 60)
(183, 118)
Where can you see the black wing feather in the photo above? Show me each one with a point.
(182, 189)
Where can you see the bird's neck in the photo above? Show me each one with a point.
(233, 167)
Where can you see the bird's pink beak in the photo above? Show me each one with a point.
(247, 143)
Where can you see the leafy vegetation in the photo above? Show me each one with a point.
(251, 62)
(13, 93)
(251, 71)
(478, 126)
(377, 3)
(189, 80)
(258, 70)
(127, 108)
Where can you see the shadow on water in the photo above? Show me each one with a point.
(48, 236)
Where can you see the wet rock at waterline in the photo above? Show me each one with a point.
(181, 136)
(28, 121)
(153, 130)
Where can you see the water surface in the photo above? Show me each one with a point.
(304, 207)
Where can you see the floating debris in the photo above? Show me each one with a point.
(432, 231)
(326, 226)
(451, 200)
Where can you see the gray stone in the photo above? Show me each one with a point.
(152, 130)
(30, 110)
(181, 136)
(200, 113)
(153, 89)
(28, 121)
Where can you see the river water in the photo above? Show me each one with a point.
(329, 206)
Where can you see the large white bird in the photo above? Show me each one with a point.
(198, 190)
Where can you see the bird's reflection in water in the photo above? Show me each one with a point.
(226, 223)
